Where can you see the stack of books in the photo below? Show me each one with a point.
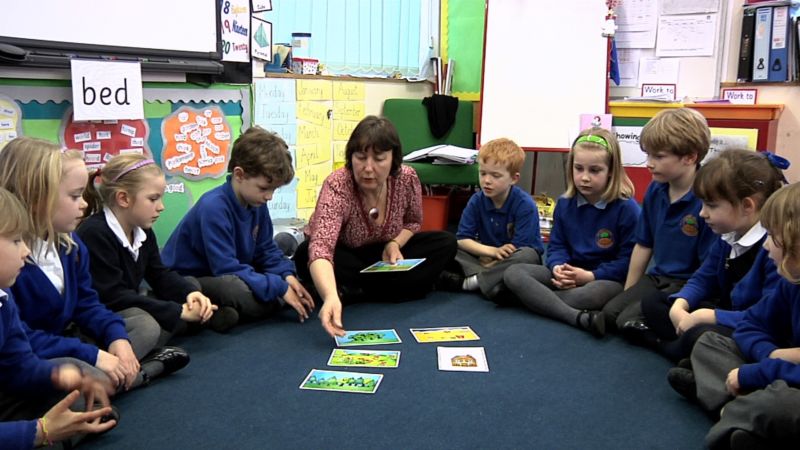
(443, 154)
(768, 50)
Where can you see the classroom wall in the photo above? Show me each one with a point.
(788, 95)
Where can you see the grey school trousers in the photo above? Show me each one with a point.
(490, 279)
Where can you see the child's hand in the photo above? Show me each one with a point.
(391, 252)
(109, 364)
(560, 279)
(301, 292)
(677, 312)
(63, 423)
(503, 252)
(300, 305)
(787, 354)
(121, 348)
(198, 305)
(577, 275)
(700, 316)
(732, 383)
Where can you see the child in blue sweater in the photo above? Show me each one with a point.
(756, 374)
(591, 240)
(54, 291)
(30, 415)
(225, 240)
(737, 272)
(500, 225)
(670, 229)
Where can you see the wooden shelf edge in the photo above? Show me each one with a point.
(709, 110)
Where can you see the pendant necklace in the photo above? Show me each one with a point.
(374, 212)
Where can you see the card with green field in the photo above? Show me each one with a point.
(368, 337)
(385, 359)
(352, 382)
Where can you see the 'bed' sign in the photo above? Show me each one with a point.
(104, 90)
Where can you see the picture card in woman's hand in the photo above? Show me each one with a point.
(400, 266)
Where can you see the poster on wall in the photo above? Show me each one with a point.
(262, 39)
(235, 30)
(196, 143)
(10, 120)
(101, 140)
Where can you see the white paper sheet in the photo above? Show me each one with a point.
(688, 35)
(659, 71)
(637, 15)
(689, 7)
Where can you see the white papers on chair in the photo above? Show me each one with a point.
(444, 154)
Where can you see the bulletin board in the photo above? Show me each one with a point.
(462, 41)
(543, 67)
(45, 112)
(698, 76)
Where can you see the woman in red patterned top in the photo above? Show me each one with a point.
(368, 211)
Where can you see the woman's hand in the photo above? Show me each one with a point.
(62, 423)
(121, 348)
(199, 306)
(331, 316)
(391, 252)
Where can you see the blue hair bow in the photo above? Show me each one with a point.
(778, 162)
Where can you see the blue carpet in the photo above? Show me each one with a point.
(549, 386)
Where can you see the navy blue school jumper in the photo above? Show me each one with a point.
(48, 313)
(20, 371)
(117, 276)
(219, 236)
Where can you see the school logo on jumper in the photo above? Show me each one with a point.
(604, 238)
(689, 225)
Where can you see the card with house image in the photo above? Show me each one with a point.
(367, 337)
(402, 265)
(335, 381)
(384, 359)
(464, 359)
(444, 334)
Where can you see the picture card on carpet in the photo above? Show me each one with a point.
(367, 337)
(463, 359)
(444, 334)
(335, 381)
(387, 359)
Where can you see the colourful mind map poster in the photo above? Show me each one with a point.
(101, 140)
(196, 143)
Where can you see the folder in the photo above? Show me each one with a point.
(779, 49)
(762, 44)
(745, 72)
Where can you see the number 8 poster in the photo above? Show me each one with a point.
(235, 27)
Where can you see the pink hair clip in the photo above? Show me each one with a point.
(138, 165)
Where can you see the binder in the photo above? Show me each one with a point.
(779, 51)
(745, 72)
(762, 44)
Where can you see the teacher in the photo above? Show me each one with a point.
(369, 211)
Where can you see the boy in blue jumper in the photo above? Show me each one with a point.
(670, 229)
(756, 375)
(27, 383)
(225, 240)
(500, 225)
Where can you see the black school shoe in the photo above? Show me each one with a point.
(224, 318)
(449, 281)
(172, 359)
(682, 380)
